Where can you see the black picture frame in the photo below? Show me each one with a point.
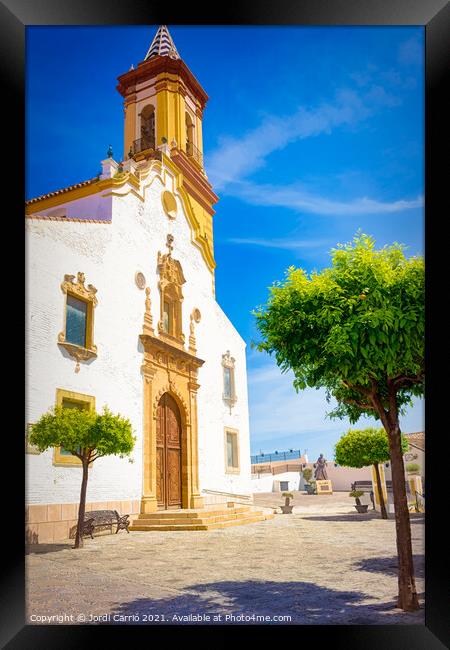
(434, 15)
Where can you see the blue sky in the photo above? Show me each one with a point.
(310, 133)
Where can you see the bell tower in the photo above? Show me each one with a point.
(163, 102)
(163, 106)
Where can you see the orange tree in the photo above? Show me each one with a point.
(87, 435)
(357, 330)
(360, 448)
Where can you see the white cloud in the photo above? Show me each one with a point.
(411, 52)
(297, 198)
(287, 244)
(236, 158)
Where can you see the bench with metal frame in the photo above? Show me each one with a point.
(97, 519)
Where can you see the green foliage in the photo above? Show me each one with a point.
(307, 474)
(355, 493)
(359, 448)
(287, 494)
(84, 433)
(412, 467)
(352, 326)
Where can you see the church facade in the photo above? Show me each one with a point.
(121, 311)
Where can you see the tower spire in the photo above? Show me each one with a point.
(162, 45)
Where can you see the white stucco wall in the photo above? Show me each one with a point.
(271, 483)
(109, 255)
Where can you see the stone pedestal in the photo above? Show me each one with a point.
(324, 487)
(109, 168)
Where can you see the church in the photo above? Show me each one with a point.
(121, 311)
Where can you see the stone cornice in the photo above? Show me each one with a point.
(155, 344)
(156, 66)
(193, 175)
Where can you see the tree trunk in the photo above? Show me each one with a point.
(407, 595)
(384, 514)
(82, 506)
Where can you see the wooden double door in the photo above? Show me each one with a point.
(168, 453)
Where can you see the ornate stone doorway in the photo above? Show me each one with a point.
(170, 409)
(170, 373)
(168, 453)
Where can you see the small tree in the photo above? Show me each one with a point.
(87, 435)
(359, 448)
(307, 474)
(357, 330)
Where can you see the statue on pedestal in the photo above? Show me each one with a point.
(320, 473)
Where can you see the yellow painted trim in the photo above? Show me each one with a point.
(89, 402)
(229, 469)
(383, 484)
(80, 192)
(197, 237)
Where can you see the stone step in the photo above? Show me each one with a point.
(248, 518)
(229, 516)
(238, 522)
(193, 514)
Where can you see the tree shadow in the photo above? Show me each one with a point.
(352, 516)
(39, 549)
(415, 518)
(305, 603)
(389, 565)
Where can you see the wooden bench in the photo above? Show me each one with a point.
(97, 519)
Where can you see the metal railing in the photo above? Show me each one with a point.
(281, 455)
(194, 153)
(142, 144)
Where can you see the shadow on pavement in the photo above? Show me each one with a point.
(305, 602)
(389, 565)
(39, 549)
(353, 516)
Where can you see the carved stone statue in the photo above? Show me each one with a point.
(320, 473)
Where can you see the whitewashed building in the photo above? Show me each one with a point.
(121, 311)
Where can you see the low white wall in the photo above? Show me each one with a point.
(341, 479)
(271, 483)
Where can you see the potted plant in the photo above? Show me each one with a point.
(310, 486)
(287, 508)
(360, 507)
(412, 468)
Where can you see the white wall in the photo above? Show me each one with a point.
(271, 483)
(109, 255)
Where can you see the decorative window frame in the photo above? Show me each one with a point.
(88, 401)
(231, 469)
(171, 281)
(88, 295)
(229, 362)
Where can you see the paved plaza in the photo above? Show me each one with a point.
(324, 564)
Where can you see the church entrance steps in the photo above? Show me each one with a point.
(201, 519)
(194, 514)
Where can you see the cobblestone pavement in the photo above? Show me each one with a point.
(324, 564)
